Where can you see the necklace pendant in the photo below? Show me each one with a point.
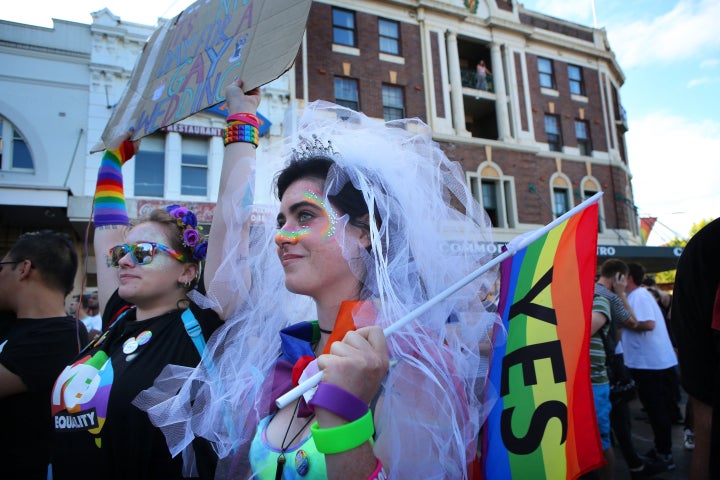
(280, 466)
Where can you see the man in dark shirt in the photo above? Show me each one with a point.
(696, 324)
(37, 340)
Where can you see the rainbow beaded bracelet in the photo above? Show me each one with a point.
(241, 132)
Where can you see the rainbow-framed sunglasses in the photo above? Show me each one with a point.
(141, 253)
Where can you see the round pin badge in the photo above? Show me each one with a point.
(143, 337)
(131, 357)
(302, 464)
(130, 345)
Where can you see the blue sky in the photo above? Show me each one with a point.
(669, 51)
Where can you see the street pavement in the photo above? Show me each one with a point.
(643, 441)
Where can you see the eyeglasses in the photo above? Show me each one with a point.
(141, 253)
(9, 262)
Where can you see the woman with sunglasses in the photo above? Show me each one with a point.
(361, 238)
(145, 272)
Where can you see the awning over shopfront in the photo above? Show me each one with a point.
(654, 259)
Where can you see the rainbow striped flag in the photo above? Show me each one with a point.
(646, 226)
(543, 424)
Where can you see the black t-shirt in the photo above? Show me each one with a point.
(697, 283)
(98, 432)
(36, 350)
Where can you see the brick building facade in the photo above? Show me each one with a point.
(548, 132)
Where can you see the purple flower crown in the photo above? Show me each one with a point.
(191, 236)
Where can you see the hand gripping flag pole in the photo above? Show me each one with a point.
(515, 245)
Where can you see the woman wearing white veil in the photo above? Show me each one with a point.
(366, 212)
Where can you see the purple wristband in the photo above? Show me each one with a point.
(339, 401)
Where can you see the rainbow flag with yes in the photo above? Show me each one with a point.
(543, 425)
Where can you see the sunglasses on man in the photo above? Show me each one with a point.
(141, 253)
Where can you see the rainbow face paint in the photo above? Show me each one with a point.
(293, 235)
(329, 212)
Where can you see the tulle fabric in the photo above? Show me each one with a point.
(433, 400)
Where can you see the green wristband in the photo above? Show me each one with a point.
(344, 437)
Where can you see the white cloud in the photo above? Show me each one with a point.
(710, 63)
(696, 82)
(675, 164)
(684, 32)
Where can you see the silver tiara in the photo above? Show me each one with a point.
(315, 148)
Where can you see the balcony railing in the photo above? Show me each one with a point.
(467, 77)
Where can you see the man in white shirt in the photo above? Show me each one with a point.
(650, 357)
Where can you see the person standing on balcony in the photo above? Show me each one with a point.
(481, 74)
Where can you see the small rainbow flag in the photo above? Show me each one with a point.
(543, 425)
(646, 226)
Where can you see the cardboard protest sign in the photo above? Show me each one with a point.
(188, 62)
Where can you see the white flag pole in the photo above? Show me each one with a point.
(515, 245)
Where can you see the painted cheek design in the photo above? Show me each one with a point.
(328, 211)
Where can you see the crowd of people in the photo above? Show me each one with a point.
(173, 367)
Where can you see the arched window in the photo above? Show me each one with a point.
(15, 153)
(590, 186)
(561, 194)
(495, 193)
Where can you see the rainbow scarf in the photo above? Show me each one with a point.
(543, 425)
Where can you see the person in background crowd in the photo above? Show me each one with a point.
(650, 357)
(672, 377)
(612, 284)
(696, 322)
(36, 342)
(93, 319)
(599, 326)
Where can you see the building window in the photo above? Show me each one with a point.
(561, 201)
(150, 167)
(582, 133)
(495, 195)
(393, 103)
(577, 86)
(545, 68)
(552, 130)
(14, 151)
(343, 27)
(490, 200)
(194, 163)
(389, 33)
(346, 93)
(589, 192)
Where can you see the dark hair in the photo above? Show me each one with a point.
(637, 272)
(649, 281)
(349, 200)
(612, 266)
(52, 254)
